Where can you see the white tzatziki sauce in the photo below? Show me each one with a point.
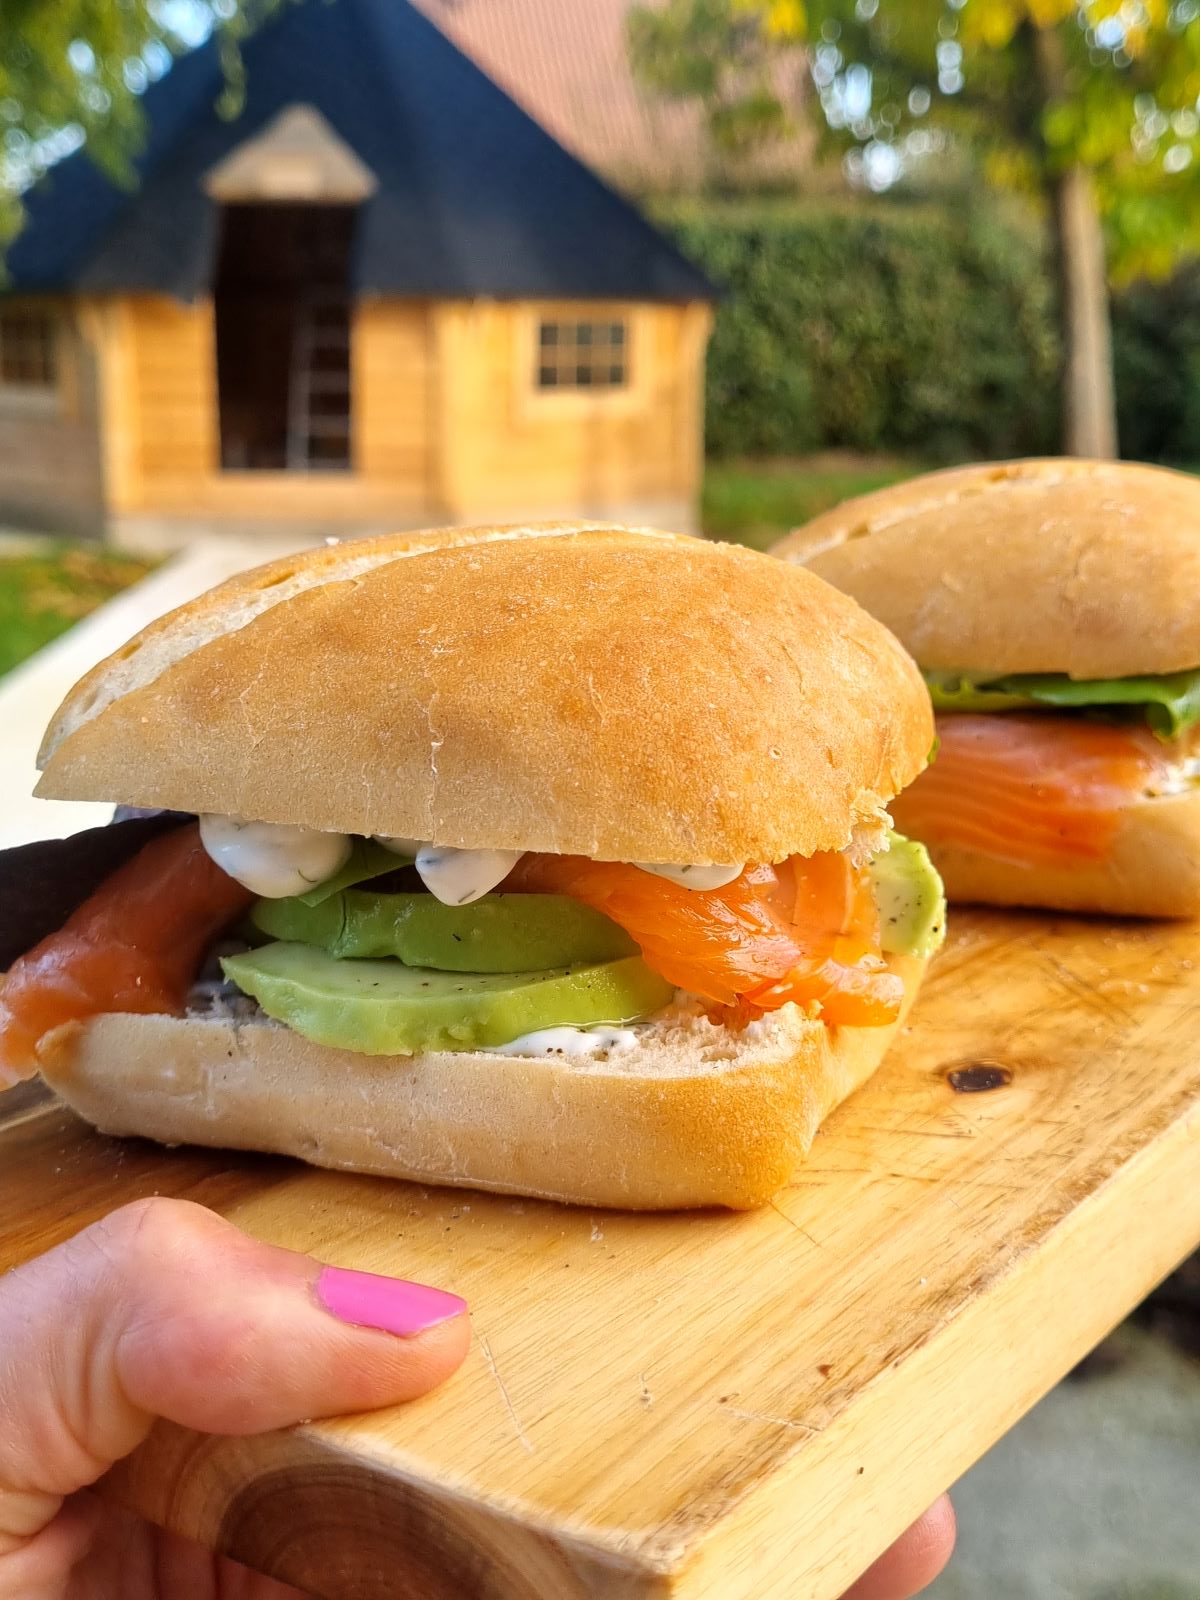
(568, 1041)
(276, 859)
(456, 877)
(400, 847)
(693, 877)
(273, 859)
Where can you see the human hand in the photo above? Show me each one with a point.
(914, 1561)
(164, 1310)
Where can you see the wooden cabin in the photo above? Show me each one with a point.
(381, 296)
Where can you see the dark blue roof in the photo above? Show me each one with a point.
(473, 199)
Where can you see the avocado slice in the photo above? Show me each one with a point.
(385, 1008)
(497, 933)
(912, 902)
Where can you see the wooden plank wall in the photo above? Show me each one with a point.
(504, 445)
(392, 394)
(50, 473)
(162, 422)
(447, 422)
(175, 383)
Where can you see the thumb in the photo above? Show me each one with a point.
(913, 1562)
(165, 1310)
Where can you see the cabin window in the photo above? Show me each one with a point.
(284, 316)
(28, 349)
(582, 355)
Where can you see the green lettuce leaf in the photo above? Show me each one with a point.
(1170, 704)
(367, 860)
(954, 691)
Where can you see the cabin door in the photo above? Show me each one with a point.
(283, 315)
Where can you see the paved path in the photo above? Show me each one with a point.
(1095, 1495)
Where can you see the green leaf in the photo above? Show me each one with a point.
(952, 691)
(368, 859)
(79, 66)
(1125, 114)
(1169, 704)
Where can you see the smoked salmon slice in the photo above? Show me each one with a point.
(1034, 790)
(806, 930)
(134, 945)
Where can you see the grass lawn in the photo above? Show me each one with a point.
(756, 502)
(46, 588)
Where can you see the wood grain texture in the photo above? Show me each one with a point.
(174, 401)
(742, 1407)
(447, 422)
(50, 466)
(109, 325)
(504, 446)
(392, 405)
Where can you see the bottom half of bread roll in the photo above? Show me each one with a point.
(1150, 868)
(696, 1114)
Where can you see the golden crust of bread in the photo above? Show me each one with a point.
(615, 693)
(245, 595)
(1152, 870)
(695, 1116)
(1091, 568)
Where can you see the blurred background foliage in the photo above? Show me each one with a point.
(1157, 358)
(1090, 108)
(899, 299)
(920, 328)
(72, 73)
(898, 328)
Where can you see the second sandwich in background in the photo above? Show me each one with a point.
(1053, 608)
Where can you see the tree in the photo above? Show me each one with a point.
(721, 54)
(72, 73)
(1089, 104)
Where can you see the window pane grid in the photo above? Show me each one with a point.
(27, 353)
(582, 355)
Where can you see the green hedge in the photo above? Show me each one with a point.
(1156, 354)
(890, 328)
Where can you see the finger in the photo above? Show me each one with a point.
(130, 1558)
(914, 1561)
(165, 1310)
(39, 1568)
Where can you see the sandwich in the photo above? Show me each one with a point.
(1054, 609)
(549, 860)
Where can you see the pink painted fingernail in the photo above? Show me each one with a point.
(369, 1301)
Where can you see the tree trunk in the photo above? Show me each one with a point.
(1089, 400)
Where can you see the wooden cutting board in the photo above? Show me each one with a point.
(738, 1407)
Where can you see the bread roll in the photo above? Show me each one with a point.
(1091, 568)
(696, 1115)
(573, 689)
(606, 692)
(1152, 868)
